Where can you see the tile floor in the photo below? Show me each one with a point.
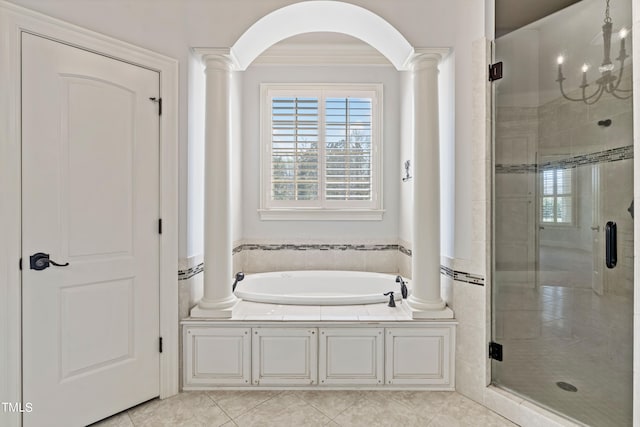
(309, 408)
(569, 334)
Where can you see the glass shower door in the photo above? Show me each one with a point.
(563, 226)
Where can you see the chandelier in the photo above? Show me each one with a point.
(607, 82)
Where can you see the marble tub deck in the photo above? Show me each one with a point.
(246, 310)
(309, 408)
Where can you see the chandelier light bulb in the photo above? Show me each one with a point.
(607, 82)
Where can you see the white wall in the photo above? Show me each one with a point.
(253, 227)
(172, 27)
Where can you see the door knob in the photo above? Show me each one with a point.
(40, 261)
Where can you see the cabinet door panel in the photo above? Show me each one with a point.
(285, 356)
(351, 356)
(217, 356)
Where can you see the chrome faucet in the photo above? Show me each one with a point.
(403, 287)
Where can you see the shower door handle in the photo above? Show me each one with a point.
(611, 245)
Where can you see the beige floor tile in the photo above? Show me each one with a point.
(286, 409)
(236, 402)
(331, 403)
(186, 409)
(119, 420)
(375, 410)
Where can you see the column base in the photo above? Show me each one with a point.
(421, 309)
(215, 310)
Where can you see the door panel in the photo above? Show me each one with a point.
(91, 199)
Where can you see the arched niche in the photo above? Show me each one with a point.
(322, 16)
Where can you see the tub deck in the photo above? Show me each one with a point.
(253, 311)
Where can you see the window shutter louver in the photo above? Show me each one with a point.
(348, 149)
(294, 148)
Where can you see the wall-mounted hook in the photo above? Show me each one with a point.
(407, 166)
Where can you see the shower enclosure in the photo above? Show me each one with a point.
(563, 213)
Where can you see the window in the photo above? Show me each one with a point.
(557, 205)
(321, 152)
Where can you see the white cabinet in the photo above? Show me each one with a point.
(217, 356)
(330, 354)
(351, 356)
(285, 356)
(422, 356)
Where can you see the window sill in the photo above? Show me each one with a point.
(321, 214)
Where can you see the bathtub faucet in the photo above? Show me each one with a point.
(239, 278)
(392, 302)
(403, 287)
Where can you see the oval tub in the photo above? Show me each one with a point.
(318, 287)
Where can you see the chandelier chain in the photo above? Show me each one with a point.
(607, 18)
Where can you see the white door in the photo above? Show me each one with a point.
(90, 198)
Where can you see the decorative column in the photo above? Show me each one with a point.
(425, 300)
(218, 300)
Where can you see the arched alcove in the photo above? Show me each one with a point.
(322, 16)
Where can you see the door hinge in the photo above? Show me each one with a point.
(495, 71)
(159, 102)
(495, 351)
(160, 344)
(160, 226)
(20, 263)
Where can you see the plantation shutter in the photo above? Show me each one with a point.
(294, 148)
(557, 197)
(348, 148)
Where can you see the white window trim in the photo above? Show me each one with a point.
(332, 210)
(572, 195)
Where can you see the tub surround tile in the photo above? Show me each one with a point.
(388, 258)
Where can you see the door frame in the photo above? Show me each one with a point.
(15, 20)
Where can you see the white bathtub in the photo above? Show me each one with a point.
(318, 287)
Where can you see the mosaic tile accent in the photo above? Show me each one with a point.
(459, 276)
(190, 272)
(314, 247)
(522, 168)
(606, 156)
(404, 250)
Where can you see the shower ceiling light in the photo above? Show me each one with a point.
(607, 81)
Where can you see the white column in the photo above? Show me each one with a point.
(218, 300)
(425, 300)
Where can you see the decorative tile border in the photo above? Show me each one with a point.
(522, 168)
(190, 272)
(315, 247)
(459, 276)
(606, 156)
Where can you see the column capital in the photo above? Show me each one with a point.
(217, 58)
(426, 58)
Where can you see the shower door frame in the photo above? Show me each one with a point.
(514, 401)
